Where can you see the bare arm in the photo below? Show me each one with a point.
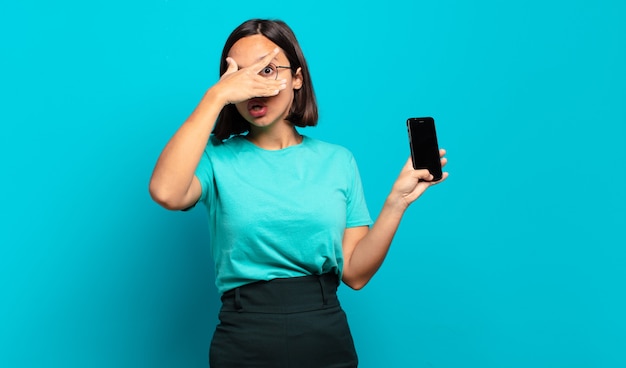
(173, 183)
(365, 249)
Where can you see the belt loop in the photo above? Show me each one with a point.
(321, 281)
(238, 305)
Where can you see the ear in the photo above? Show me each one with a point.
(297, 79)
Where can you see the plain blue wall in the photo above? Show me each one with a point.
(518, 260)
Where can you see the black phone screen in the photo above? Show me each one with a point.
(424, 146)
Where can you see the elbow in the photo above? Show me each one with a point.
(355, 283)
(356, 286)
(163, 197)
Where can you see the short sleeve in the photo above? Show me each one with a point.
(204, 173)
(357, 213)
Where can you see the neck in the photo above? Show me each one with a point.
(271, 139)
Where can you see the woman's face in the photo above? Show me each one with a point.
(265, 111)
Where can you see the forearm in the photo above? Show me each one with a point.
(364, 252)
(371, 250)
(175, 168)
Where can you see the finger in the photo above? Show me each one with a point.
(268, 88)
(444, 176)
(232, 66)
(442, 152)
(265, 60)
(408, 165)
(444, 161)
(423, 174)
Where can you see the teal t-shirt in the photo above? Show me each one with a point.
(278, 213)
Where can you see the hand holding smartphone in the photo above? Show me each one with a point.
(424, 146)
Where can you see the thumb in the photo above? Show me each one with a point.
(232, 66)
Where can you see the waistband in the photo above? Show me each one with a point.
(284, 295)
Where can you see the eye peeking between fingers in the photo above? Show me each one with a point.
(271, 71)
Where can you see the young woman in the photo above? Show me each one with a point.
(287, 215)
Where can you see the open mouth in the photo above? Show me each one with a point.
(256, 108)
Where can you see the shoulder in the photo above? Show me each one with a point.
(328, 149)
(218, 146)
(222, 151)
(233, 141)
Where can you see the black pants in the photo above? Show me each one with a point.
(283, 323)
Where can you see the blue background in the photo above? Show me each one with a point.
(518, 260)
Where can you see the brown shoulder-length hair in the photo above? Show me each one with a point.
(304, 107)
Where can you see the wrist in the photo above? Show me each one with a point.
(396, 203)
(215, 96)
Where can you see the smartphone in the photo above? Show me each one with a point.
(424, 146)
